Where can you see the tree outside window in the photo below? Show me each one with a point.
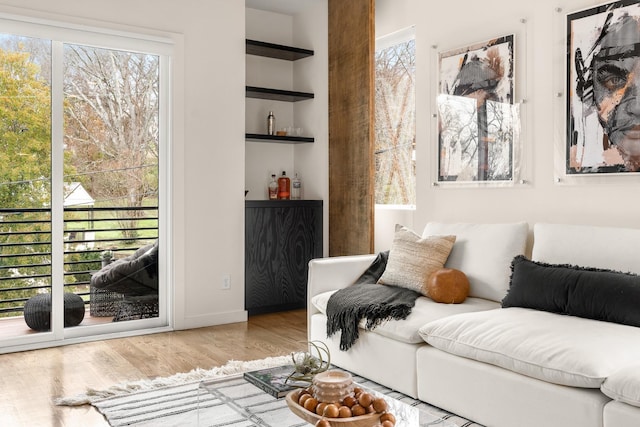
(111, 128)
(395, 125)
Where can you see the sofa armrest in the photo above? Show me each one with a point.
(328, 274)
(333, 273)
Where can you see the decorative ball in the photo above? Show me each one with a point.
(73, 309)
(448, 285)
(37, 311)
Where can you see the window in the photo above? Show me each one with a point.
(395, 124)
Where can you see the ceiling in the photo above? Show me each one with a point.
(286, 7)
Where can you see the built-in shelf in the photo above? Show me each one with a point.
(287, 53)
(277, 138)
(277, 94)
(278, 51)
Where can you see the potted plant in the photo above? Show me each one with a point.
(106, 257)
(308, 364)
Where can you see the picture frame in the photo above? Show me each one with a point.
(478, 121)
(603, 59)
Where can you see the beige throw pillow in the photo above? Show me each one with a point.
(413, 258)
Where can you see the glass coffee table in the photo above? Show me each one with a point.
(232, 401)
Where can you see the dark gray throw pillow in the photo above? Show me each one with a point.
(593, 293)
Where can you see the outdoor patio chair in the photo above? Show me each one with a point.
(131, 282)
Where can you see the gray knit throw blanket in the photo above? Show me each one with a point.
(366, 299)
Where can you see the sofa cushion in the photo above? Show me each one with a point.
(551, 347)
(585, 292)
(413, 258)
(484, 253)
(423, 312)
(624, 385)
(599, 247)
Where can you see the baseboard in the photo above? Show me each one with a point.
(213, 319)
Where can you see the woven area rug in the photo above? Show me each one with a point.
(179, 401)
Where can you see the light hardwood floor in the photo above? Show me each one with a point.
(29, 381)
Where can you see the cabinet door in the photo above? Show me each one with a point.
(279, 242)
(261, 240)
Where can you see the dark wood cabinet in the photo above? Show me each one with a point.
(281, 237)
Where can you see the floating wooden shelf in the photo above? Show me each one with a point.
(288, 53)
(277, 94)
(276, 138)
(278, 51)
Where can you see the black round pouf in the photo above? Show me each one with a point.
(37, 311)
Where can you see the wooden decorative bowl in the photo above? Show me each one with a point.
(367, 420)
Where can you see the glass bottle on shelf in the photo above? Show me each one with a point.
(273, 188)
(284, 187)
(296, 188)
(271, 124)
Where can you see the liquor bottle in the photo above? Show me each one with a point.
(296, 188)
(284, 187)
(273, 188)
(271, 124)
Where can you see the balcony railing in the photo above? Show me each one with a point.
(26, 249)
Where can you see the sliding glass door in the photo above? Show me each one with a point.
(83, 123)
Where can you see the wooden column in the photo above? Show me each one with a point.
(351, 131)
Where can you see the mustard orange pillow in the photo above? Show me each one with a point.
(448, 285)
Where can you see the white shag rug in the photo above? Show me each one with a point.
(232, 367)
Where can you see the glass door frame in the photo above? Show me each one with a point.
(59, 34)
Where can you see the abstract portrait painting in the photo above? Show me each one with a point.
(603, 86)
(477, 119)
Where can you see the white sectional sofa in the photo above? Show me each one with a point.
(503, 367)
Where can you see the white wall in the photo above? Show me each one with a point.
(208, 150)
(592, 200)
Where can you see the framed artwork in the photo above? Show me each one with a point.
(477, 119)
(603, 87)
